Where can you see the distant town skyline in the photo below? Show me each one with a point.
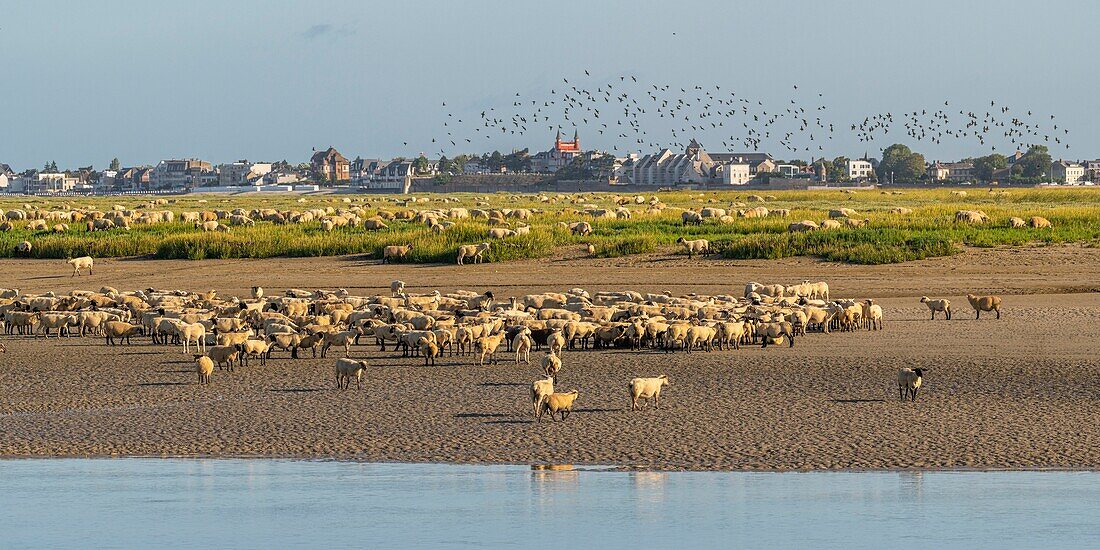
(272, 80)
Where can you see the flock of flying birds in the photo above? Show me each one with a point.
(638, 116)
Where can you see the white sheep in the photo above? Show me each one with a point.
(645, 388)
(551, 364)
(540, 389)
(205, 367)
(697, 246)
(521, 343)
(397, 288)
(474, 251)
(347, 368)
(83, 262)
(934, 306)
(558, 403)
(909, 381)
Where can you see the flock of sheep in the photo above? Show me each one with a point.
(229, 331)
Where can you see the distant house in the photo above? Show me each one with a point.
(1092, 170)
(6, 176)
(1067, 172)
(34, 182)
(952, 171)
(859, 169)
(330, 165)
(363, 170)
(181, 174)
(242, 172)
(736, 173)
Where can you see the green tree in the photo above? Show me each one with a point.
(495, 161)
(420, 164)
(115, 164)
(984, 167)
(445, 166)
(50, 166)
(901, 164)
(838, 171)
(1035, 163)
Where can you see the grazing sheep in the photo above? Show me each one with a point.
(23, 247)
(803, 226)
(1017, 222)
(827, 225)
(500, 233)
(205, 367)
(971, 216)
(582, 229)
(1039, 222)
(558, 403)
(474, 251)
(540, 390)
(645, 388)
(691, 217)
(693, 247)
(937, 305)
(347, 368)
(984, 303)
(83, 262)
(551, 364)
(909, 381)
(392, 252)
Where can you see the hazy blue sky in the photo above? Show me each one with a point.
(144, 80)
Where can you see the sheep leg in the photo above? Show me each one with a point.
(998, 313)
(914, 391)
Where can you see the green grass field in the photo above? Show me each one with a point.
(929, 231)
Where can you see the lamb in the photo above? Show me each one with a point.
(196, 332)
(697, 246)
(347, 368)
(984, 303)
(392, 252)
(486, 346)
(551, 364)
(205, 367)
(121, 330)
(83, 262)
(558, 403)
(254, 348)
(872, 315)
(474, 251)
(522, 344)
(909, 381)
(645, 388)
(397, 288)
(937, 305)
(1039, 222)
(540, 390)
(430, 350)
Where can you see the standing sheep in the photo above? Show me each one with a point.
(205, 367)
(697, 246)
(398, 252)
(345, 369)
(984, 303)
(474, 251)
(645, 388)
(909, 381)
(937, 305)
(83, 262)
(558, 403)
(540, 390)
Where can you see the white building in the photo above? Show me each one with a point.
(44, 182)
(6, 176)
(860, 169)
(1067, 172)
(242, 172)
(736, 173)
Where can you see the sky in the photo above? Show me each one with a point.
(85, 82)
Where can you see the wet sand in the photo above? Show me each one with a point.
(1019, 392)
